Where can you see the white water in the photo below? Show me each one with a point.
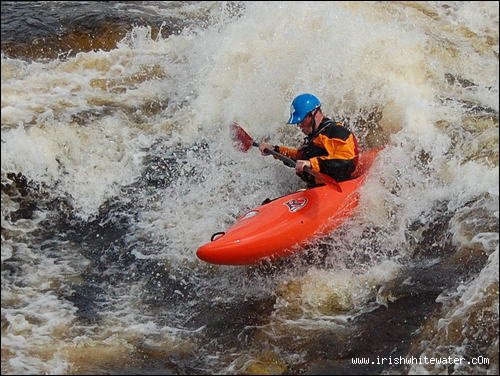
(358, 58)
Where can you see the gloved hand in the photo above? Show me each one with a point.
(301, 164)
(264, 147)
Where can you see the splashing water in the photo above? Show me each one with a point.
(117, 164)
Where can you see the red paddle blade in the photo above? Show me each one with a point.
(241, 139)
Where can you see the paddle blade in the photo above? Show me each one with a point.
(331, 181)
(324, 178)
(241, 139)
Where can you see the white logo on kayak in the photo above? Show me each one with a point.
(296, 204)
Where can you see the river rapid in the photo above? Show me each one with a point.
(117, 164)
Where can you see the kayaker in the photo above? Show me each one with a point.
(329, 147)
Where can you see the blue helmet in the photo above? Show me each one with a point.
(301, 106)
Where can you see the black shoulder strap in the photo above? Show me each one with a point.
(324, 124)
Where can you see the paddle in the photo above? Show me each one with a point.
(243, 142)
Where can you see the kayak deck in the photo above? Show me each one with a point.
(282, 226)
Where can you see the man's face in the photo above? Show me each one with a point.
(307, 125)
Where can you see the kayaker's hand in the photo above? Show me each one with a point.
(301, 164)
(265, 147)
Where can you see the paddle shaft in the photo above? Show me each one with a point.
(245, 141)
(290, 162)
(281, 157)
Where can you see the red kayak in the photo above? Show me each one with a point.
(284, 225)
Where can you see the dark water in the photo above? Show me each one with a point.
(48, 29)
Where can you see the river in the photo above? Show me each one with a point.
(117, 164)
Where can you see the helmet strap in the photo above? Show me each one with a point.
(313, 115)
